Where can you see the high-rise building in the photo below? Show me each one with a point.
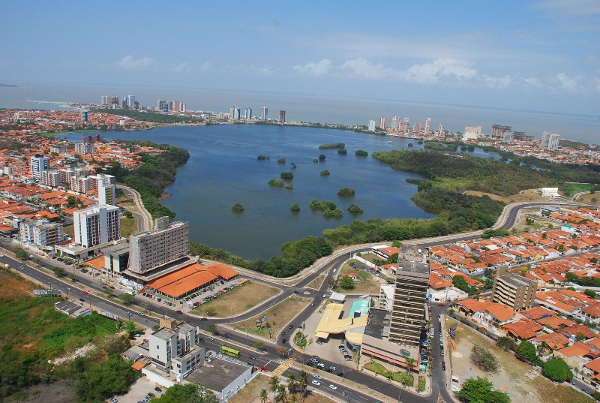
(551, 141)
(371, 125)
(498, 131)
(404, 125)
(248, 113)
(105, 100)
(282, 116)
(167, 243)
(408, 311)
(161, 105)
(50, 178)
(96, 225)
(84, 147)
(39, 164)
(518, 136)
(515, 291)
(265, 113)
(395, 123)
(106, 190)
(382, 123)
(427, 126)
(84, 116)
(417, 127)
(130, 101)
(175, 350)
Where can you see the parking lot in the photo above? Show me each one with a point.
(139, 392)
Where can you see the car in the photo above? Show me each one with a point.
(283, 333)
(113, 400)
(324, 295)
(150, 394)
(290, 326)
(283, 341)
(309, 363)
(314, 358)
(329, 370)
(320, 365)
(347, 358)
(443, 365)
(252, 357)
(332, 387)
(317, 376)
(333, 368)
(442, 304)
(341, 347)
(82, 300)
(316, 383)
(180, 312)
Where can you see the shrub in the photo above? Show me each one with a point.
(361, 153)
(322, 157)
(355, 209)
(263, 157)
(506, 343)
(295, 208)
(237, 208)
(279, 183)
(483, 358)
(328, 146)
(557, 370)
(342, 151)
(346, 192)
(324, 172)
(289, 186)
(286, 175)
(281, 161)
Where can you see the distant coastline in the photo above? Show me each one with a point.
(9, 85)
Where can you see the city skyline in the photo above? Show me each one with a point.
(538, 55)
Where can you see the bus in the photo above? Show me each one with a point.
(230, 351)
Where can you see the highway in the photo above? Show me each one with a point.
(269, 356)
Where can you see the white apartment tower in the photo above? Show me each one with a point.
(371, 125)
(427, 126)
(96, 225)
(39, 164)
(265, 113)
(169, 242)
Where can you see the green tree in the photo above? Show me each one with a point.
(347, 283)
(263, 396)
(20, 253)
(213, 328)
(126, 298)
(506, 343)
(346, 192)
(188, 393)
(590, 293)
(237, 208)
(281, 394)
(259, 344)
(481, 390)
(274, 385)
(104, 379)
(557, 370)
(292, 383)
(355, 209)
(526, 350)
(58, 271)
(325, 172)
(286, 176)
(459, 282)
(303, 380)
(322, 157)
(295, 208)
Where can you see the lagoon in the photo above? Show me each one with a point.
(223, 169)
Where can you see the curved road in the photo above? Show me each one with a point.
(143, 216)
(270, 354)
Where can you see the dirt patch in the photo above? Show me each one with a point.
(529, 195)
(316, 283)
(277, 317)
(57, 392)
(236, 301)
(593, 199)
(12, 286)
(365, 282)
(518, 379)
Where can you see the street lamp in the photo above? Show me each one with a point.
(68, 289)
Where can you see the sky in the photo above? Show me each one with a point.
(541, 55)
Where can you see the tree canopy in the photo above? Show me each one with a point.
(481, 390)
(188, 393)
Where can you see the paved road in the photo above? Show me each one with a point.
(270, 353)
(144, 218)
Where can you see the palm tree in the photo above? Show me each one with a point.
(293, 398)
(292, 383)
(303, 382)
(281, 394)
(263, 396)
(274, 385)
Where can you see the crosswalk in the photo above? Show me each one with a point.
(283, 367)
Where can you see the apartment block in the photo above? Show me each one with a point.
(96, 225)
(175, 350)
(167, 243)
(515, 291)
(39, 164)
(408, 310)
(41, 233)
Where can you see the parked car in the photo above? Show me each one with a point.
(317, 376)
(316, 383)
(443, 365)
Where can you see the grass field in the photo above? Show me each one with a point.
(514, 377)
(128, 226)
(316, 283)
(277, 317)
(366, 283)
(236, 301)
(571, 188)
(529, 195)
(251, 393)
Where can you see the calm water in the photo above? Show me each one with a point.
(223, 170)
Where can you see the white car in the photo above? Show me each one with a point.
(316, 376)
(332, 387)
(316, 383)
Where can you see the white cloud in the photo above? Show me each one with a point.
(251, 68)
(129, 63)
(181, 68)
(314, 69)
(205, 66)
(440, 68)
(566, 82)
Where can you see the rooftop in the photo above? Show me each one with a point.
(413, 267)
(378, 320)
(218, 374)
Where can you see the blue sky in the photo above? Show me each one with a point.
(531, 55)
